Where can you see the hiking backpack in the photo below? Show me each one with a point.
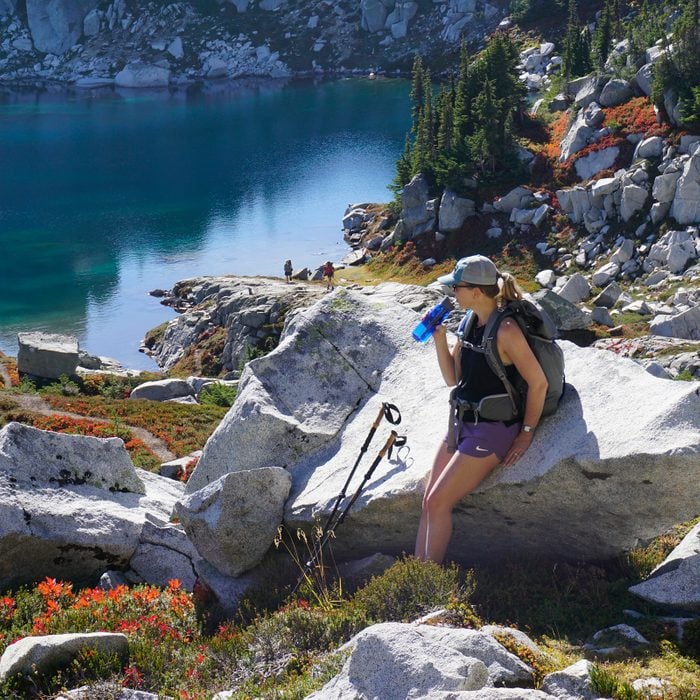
(540, 334)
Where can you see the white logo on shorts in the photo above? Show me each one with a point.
(481, 449)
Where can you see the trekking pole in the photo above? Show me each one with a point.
(393, 416)
(394, 439)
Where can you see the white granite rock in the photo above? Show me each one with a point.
(575, 289)
(605, 274)
(142, 75)
(571, 682)
(615, 92)
(57, 25)
(634, 198)
(685, 324)
(233, 521)
(454, 211)
(393, 661)
(590, 165)
(71, 506)
(674, 581)
(45, 654)
(47, 355)
(162, 390)
(686, 201)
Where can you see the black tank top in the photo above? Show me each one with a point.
(478, 380)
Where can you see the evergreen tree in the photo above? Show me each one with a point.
(576, 59)
(681, 69)
(464, 96)
(686, 43)
(445, 113)
(417, 96)
(424, 146)
(603, 35)
(487, 144)
(403, 167)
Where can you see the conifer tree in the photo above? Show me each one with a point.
(603, 35)
(416, 96)
(403, 166)
(576, 51)
(445, 115)
(464, 96)
(486, 144)
(424, 146)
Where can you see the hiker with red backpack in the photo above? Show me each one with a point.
(501, 391)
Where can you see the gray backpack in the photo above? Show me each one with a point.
(541, 335)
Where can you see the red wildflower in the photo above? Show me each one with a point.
(133, 678)
(50, 588)
(7, 608)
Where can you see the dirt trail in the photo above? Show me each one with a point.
(5, 376)
(31, 402)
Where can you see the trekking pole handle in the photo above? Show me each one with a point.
(391, 413)
(382, 453)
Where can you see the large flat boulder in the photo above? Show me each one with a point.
(47, 355)
(615, 465)
(56, 25)
(71, 506)
(297, 398)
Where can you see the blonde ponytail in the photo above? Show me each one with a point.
(509, 289)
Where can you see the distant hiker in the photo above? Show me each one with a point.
(328, 272)
(481, 444)
(288, 270)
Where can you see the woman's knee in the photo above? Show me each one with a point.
(437, 502)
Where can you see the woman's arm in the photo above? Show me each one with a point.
(514, 350)
(447, 359)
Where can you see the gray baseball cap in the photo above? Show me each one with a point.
(475, 269)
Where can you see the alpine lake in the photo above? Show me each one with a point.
(108, 194)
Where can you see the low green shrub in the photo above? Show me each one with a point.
(218, 394)
(411, 588)
(606, 685)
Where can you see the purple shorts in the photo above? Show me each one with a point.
(484, 438)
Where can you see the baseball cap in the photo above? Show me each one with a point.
(474, 269)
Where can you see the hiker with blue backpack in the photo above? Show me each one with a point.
(501, 391)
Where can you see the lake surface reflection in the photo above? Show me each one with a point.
(105, 197)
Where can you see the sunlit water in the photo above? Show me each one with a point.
(105, 197)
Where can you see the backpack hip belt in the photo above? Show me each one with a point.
(494, 408)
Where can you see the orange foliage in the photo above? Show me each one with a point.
(636, 116)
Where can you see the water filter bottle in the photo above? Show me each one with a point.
(432, 320)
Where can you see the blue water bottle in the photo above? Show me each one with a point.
(432, 320)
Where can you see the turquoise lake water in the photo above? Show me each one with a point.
(105, 197)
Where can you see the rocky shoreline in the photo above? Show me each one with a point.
(138, 44)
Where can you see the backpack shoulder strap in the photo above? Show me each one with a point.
(490, 350)
(465, 325)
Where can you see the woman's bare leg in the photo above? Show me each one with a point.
(442, 457)
(460, 476)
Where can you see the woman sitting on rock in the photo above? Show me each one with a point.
(481, 444)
